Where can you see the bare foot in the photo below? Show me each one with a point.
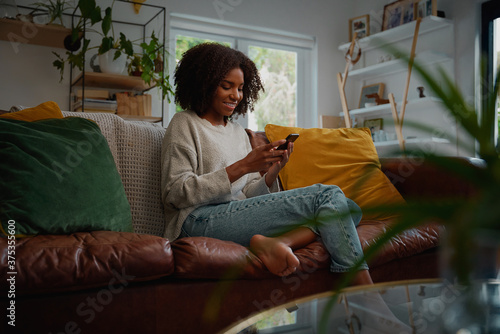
(276, 255)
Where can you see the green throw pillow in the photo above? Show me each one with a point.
(58, 176)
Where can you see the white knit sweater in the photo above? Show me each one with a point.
(194, 158)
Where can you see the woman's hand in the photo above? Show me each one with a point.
(261, 159)
(275, 168)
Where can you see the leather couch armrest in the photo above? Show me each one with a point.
(418, 178)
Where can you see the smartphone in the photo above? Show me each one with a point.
(290, 138)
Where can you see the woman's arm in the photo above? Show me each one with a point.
(182, 187)
(263, 157)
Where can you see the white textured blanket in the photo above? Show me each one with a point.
(136, 148)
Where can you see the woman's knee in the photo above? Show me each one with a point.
(334, 193)
(329, 191)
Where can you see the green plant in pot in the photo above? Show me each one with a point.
(152, 65)
(110, 48)
(53, 8)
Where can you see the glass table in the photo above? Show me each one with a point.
(409, 307)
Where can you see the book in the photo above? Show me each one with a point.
(96, 110)
(95, 105)
(92, 94)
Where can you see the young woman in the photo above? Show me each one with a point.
(212, 183)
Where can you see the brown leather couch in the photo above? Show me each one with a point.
(113, 282)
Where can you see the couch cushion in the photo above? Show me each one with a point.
(58, 176)
(49, 263)
(343, 157)
(136, 148)
(45, 110)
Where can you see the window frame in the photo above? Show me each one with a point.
(240, 36)
(490, 11)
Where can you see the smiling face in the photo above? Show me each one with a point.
(227, 96)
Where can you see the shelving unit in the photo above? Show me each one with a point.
(53, 36)
(394, 73)
(122, 83)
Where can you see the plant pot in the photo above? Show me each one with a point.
(110, 65)
(72, 46)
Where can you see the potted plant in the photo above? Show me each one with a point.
(152, 65)
(54, 9)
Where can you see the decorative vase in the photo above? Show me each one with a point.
(108, 64)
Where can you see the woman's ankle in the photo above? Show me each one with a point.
(362, 278)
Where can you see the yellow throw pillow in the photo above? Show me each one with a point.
(45, 110)
(343, 157)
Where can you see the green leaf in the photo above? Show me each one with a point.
(126, 45)
(75, 34)
(86, 8)
(106, 45)
(106, 21)
(95, 16)
(146, 76)
(59, 64)
(118, 53)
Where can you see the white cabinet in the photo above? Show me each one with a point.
(434, 49)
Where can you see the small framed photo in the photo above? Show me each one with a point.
(408, 12)
(370, 90)
(424, 8)
(374, 124)
(360, 25)
(393, 14)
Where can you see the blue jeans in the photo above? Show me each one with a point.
(322, 208)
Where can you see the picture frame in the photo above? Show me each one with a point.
(424, 8)
(400, 12)
(374, 125)
(360, 25)
(393, 14)
(370, 89)
(408, 12)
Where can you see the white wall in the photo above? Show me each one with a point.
(32, 79)
(29, 78)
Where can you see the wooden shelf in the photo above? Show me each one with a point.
(45, 35)
(400, 33)
(113, 81)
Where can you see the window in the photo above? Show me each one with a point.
(284, 61)
(496, 64)
(490, 48)
(278, 103)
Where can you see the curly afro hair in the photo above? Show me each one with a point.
(202, 69)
